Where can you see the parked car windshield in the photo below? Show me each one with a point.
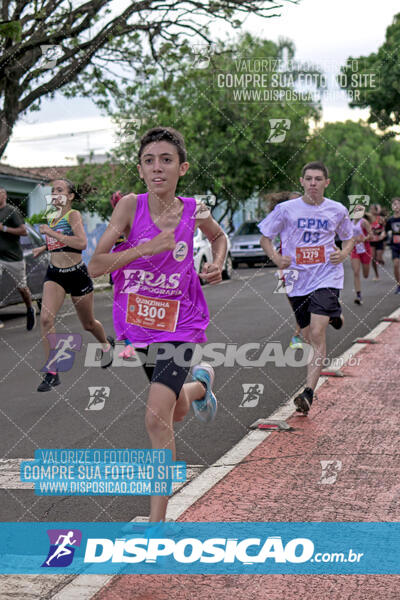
(248, 229)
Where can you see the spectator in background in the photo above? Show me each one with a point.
(11, 256)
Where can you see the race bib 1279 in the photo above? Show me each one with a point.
(310, 255)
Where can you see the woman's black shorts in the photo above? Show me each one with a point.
(75, 280)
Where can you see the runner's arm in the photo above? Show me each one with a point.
(212, 273)
(102, 261)
(338, 256)
(282, 262)
(39, 250)
(368, 228)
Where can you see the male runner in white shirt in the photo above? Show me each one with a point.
(307, 228)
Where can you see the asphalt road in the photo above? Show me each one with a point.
(244, 310)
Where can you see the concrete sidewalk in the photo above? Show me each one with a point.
(355, 424)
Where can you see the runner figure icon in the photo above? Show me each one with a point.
(62, 549)
(63, 352)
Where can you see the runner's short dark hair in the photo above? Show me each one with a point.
(164, 134)
(317, 165)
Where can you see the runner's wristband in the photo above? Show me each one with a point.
(5, 228)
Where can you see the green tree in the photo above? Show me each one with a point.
(93, 47)
(373, 81)
(359, 161)
(105, 179)
(228, 139)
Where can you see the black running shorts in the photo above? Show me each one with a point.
(377, 245)
(395, 251)
(324, 301)
(167, 363)
(75, 280)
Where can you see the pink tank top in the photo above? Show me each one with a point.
(159, 298)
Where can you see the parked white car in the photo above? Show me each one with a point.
(202, 253)
(246, 245)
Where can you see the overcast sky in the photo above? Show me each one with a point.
(324, 32)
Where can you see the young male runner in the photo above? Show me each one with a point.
(393, 225)
(157, 293)
(307, 227)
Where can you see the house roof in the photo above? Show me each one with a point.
(17, 172)
(49, 173)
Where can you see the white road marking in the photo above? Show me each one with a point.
(10, 475)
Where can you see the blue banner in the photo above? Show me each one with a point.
(200, 548)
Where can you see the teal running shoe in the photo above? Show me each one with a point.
(144, 529)
(206, 408)
(296, 342)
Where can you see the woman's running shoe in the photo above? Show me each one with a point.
(128, 353)
(50, 380)
(107, 355)
(205, 409)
